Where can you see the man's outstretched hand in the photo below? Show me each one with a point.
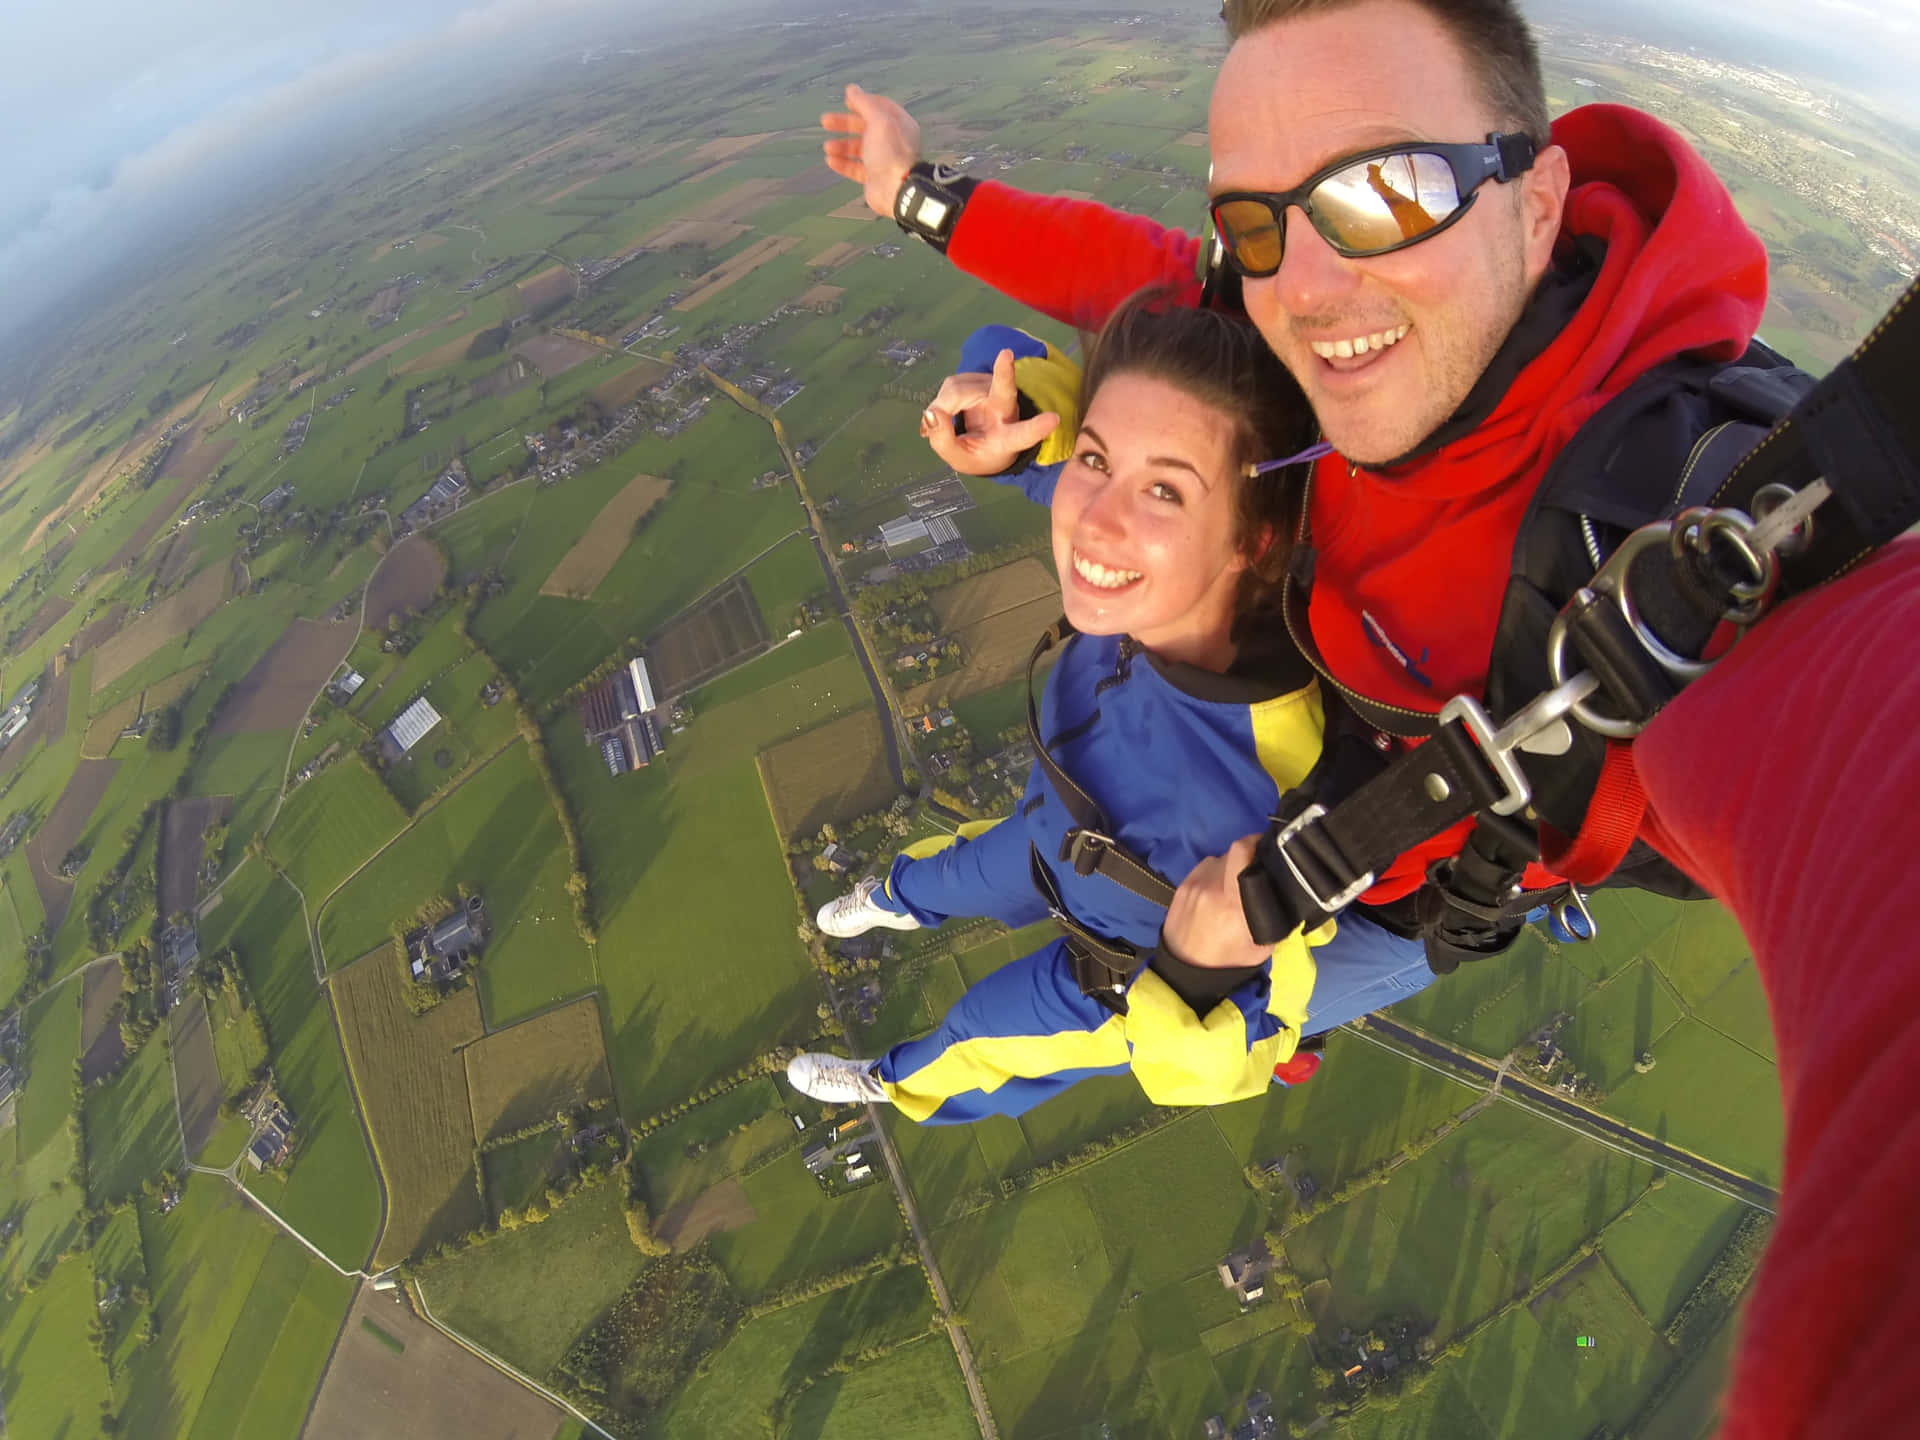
(989, 408)
(881, 143)
(1205, 924)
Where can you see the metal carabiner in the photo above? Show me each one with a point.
(1574, 902)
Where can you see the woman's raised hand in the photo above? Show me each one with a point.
(991, 435)
(881, 143)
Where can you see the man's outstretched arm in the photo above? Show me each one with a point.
(1073, 260)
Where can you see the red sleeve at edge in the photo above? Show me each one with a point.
(1789, 782)
(1074, 260)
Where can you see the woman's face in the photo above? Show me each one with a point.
(1143, 521)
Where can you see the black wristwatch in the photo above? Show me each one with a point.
(929, 202)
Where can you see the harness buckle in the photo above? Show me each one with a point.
(1536, 726)
(1329, 904)
(1082, 848)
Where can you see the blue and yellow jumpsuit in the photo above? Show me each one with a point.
(1183, 762)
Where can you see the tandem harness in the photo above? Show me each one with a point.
(1827, 486)
(1102, 965)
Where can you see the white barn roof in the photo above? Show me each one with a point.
(413, 724)
(642, 683)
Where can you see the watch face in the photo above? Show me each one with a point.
(932, 214)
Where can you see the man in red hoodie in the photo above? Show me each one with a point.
(1448, 373)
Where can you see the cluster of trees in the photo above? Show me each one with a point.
(640, 1228)
(891, 1258)
(120, 896)
(219, 973)
(649, 1342)
(1719, 1290)
(773, 1061)
(1088, 1153)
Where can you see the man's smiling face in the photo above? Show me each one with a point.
(1386, 348)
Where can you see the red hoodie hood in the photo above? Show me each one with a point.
(1413, 564)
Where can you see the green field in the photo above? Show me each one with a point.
(917, 1391)
(133, 1131)
(728, 1399)
(331, 1195)
(231, 1291)
(53, 1383)
(529, 1293)
(498, 835)
(783, 578)
(332, 825)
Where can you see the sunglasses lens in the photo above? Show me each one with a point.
(1252, 235)
(1379, 204)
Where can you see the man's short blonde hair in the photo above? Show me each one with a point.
(1494, 39)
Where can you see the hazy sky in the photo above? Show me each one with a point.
(119, 109)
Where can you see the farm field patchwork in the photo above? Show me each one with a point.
(595, 553)
(133, 1133)
(332, 824)
(413, 1087)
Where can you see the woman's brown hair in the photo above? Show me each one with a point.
(1220, 360)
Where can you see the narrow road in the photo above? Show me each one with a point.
(1575, 1116)
(894, 728)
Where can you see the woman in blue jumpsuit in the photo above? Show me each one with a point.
(1185, 739)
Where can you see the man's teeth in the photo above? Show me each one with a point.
(1359, 344)
(1097, 574)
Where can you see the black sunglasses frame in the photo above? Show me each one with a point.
(1504, 157)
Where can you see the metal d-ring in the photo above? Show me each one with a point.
(1696, 529)
(1582, 710)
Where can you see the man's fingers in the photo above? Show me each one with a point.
(841, 120)
(852, 169)
(1240, 855)
(961, 392)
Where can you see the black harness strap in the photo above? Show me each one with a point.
(1858, 430)
(1089, 846)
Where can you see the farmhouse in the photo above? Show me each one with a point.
(443, 495)
(858, 1172)
(441, 952)
(344, 687)
(838, 858)
(1241, 1272)
(410, 727)
(274, 1140)
(276, 497)
(816, 1158)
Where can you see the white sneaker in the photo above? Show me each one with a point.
(835, 1080)
(855, 913)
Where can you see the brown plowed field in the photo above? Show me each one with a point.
(440, 356)
(276, 692)
(104, 729)
(723, 630)
(728, 271)
(839, 254)
(110, 466)
(52, 611)
(406, 580)
(832, 773)
(625, 386)
(728, 146)
(413, 1090)
(549, 285)
(96, 631)
(431, 1390)
(196, 1073)
(64, 825)
(582, 568)
(710, 233)
(400, 342)
(821, 297)
(100, 1047)
(168, 620)
(555, 354)
(180, 560)
(718, 1208)
(181, 847)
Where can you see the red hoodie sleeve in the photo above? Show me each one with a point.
(1789, 781)
(1073, 260)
